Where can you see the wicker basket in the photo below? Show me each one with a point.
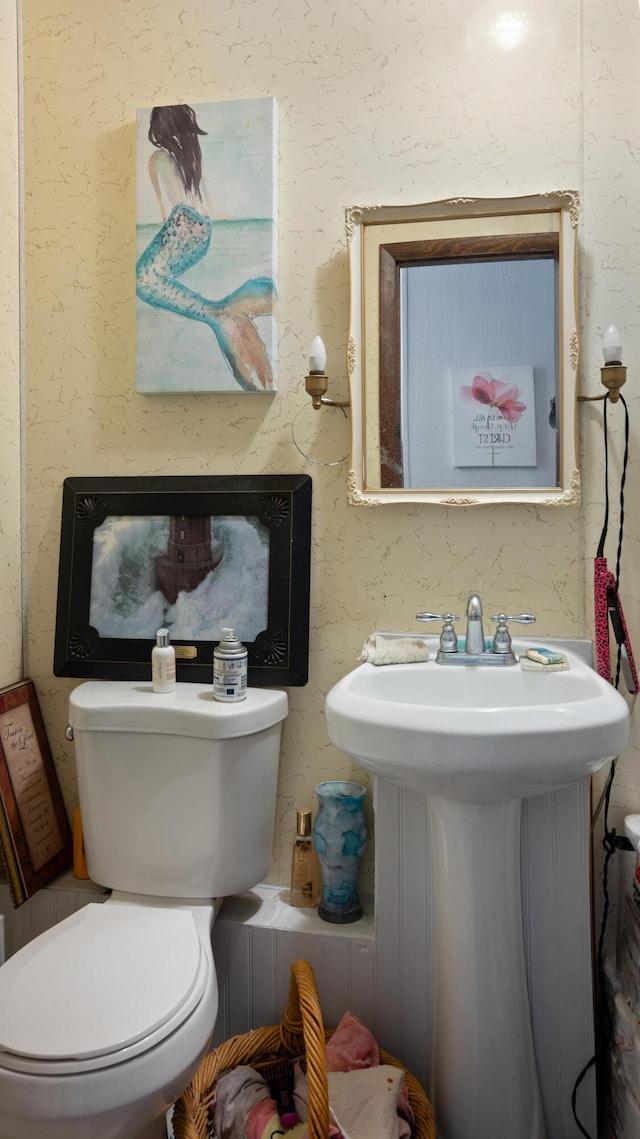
(301, 1031)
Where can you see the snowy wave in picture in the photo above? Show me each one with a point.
(125, 601)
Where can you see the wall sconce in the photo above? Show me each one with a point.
(316, 383)
(613, 373)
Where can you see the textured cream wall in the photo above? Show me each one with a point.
(611, 271)
(10, 450)
(379, 102)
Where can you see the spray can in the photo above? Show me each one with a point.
(230, 668)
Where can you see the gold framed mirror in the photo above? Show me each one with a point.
(463, 351)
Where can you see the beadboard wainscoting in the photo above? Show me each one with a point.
(256, 938)
(60, 898)
(381, 969)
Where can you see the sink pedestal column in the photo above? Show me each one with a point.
(484, 1078)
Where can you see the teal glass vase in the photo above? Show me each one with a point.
(340, 838)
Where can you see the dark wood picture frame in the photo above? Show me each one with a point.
(35, 837)
(278, 656)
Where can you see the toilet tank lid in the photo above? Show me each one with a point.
(190, 710)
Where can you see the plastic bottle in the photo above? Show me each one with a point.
(163, 663)
(230, 668)
(305, 872)
(79, 860)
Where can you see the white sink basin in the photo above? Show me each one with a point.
(477, 733)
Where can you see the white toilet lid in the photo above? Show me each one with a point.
(99, 981)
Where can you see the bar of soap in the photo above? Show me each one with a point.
(534, 666)
(545, 656)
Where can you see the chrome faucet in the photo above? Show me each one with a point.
(474, 641)
(475, 651)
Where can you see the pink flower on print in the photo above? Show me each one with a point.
(495, 393)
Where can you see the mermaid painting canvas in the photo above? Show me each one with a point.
(206, 257)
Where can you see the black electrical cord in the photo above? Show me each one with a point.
(611, 840)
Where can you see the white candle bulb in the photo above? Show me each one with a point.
(317, 355)
(612, 346)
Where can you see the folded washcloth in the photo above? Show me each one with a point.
(390, 648)
(364, 1102)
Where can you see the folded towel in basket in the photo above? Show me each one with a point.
(363, 1102)
(394, 648)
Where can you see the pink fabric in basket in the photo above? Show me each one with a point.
(351, 1046)
(262, 1114)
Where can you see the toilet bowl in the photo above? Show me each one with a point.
(105, 1017)
(100, 1041)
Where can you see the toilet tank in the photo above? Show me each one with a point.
(177, 791)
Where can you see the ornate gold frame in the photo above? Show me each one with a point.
(533, 214)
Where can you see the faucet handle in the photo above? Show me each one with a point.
(502, 637)
(523, 619)
(446, 617)
(448, 636)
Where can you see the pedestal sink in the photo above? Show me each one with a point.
(475, 741)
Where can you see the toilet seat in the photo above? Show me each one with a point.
(105, 984)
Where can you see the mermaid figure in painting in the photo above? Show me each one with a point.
(175, 169)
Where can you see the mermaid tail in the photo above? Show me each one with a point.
(183, 241)
(238, 337)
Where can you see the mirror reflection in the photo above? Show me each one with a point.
(463, 351)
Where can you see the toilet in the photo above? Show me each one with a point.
(105, 1017)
